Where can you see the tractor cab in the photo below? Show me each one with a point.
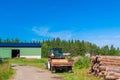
(55, 53)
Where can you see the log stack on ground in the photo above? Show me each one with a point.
(106, 66)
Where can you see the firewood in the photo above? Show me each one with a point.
(110, 63)
(106, 66)
(111, 78)
(111, 73)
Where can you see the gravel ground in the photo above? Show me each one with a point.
(32, 73)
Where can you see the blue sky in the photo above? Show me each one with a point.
(96, 21)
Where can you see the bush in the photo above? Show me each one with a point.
(83, 63)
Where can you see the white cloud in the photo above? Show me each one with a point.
(40, 31)
(101, 40)
(117, 36)
(109, 42)
(45, 32)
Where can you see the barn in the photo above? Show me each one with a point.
(19, 50)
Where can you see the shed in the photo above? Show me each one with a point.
(26, 50)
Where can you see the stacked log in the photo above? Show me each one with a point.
(106, 66)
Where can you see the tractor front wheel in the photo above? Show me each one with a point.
(46, 65)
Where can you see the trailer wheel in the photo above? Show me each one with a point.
(53, 69)
(70, 69)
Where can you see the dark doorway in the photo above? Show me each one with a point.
(15, 53)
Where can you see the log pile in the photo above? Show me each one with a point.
(106, 66)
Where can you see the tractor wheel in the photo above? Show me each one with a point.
(53, 69)
(46, 65)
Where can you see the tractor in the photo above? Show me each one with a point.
(57, 61)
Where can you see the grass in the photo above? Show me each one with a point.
(40, 63)
(5, 70)
(80, 71)
(79, 74)
(80, 68)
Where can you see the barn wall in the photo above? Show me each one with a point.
(30, 52)
(5, 53)
(24, 52)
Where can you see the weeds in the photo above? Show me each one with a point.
(5, 70)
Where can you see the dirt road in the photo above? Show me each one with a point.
(32, 73)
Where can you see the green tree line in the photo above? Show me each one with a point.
(75, 47)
